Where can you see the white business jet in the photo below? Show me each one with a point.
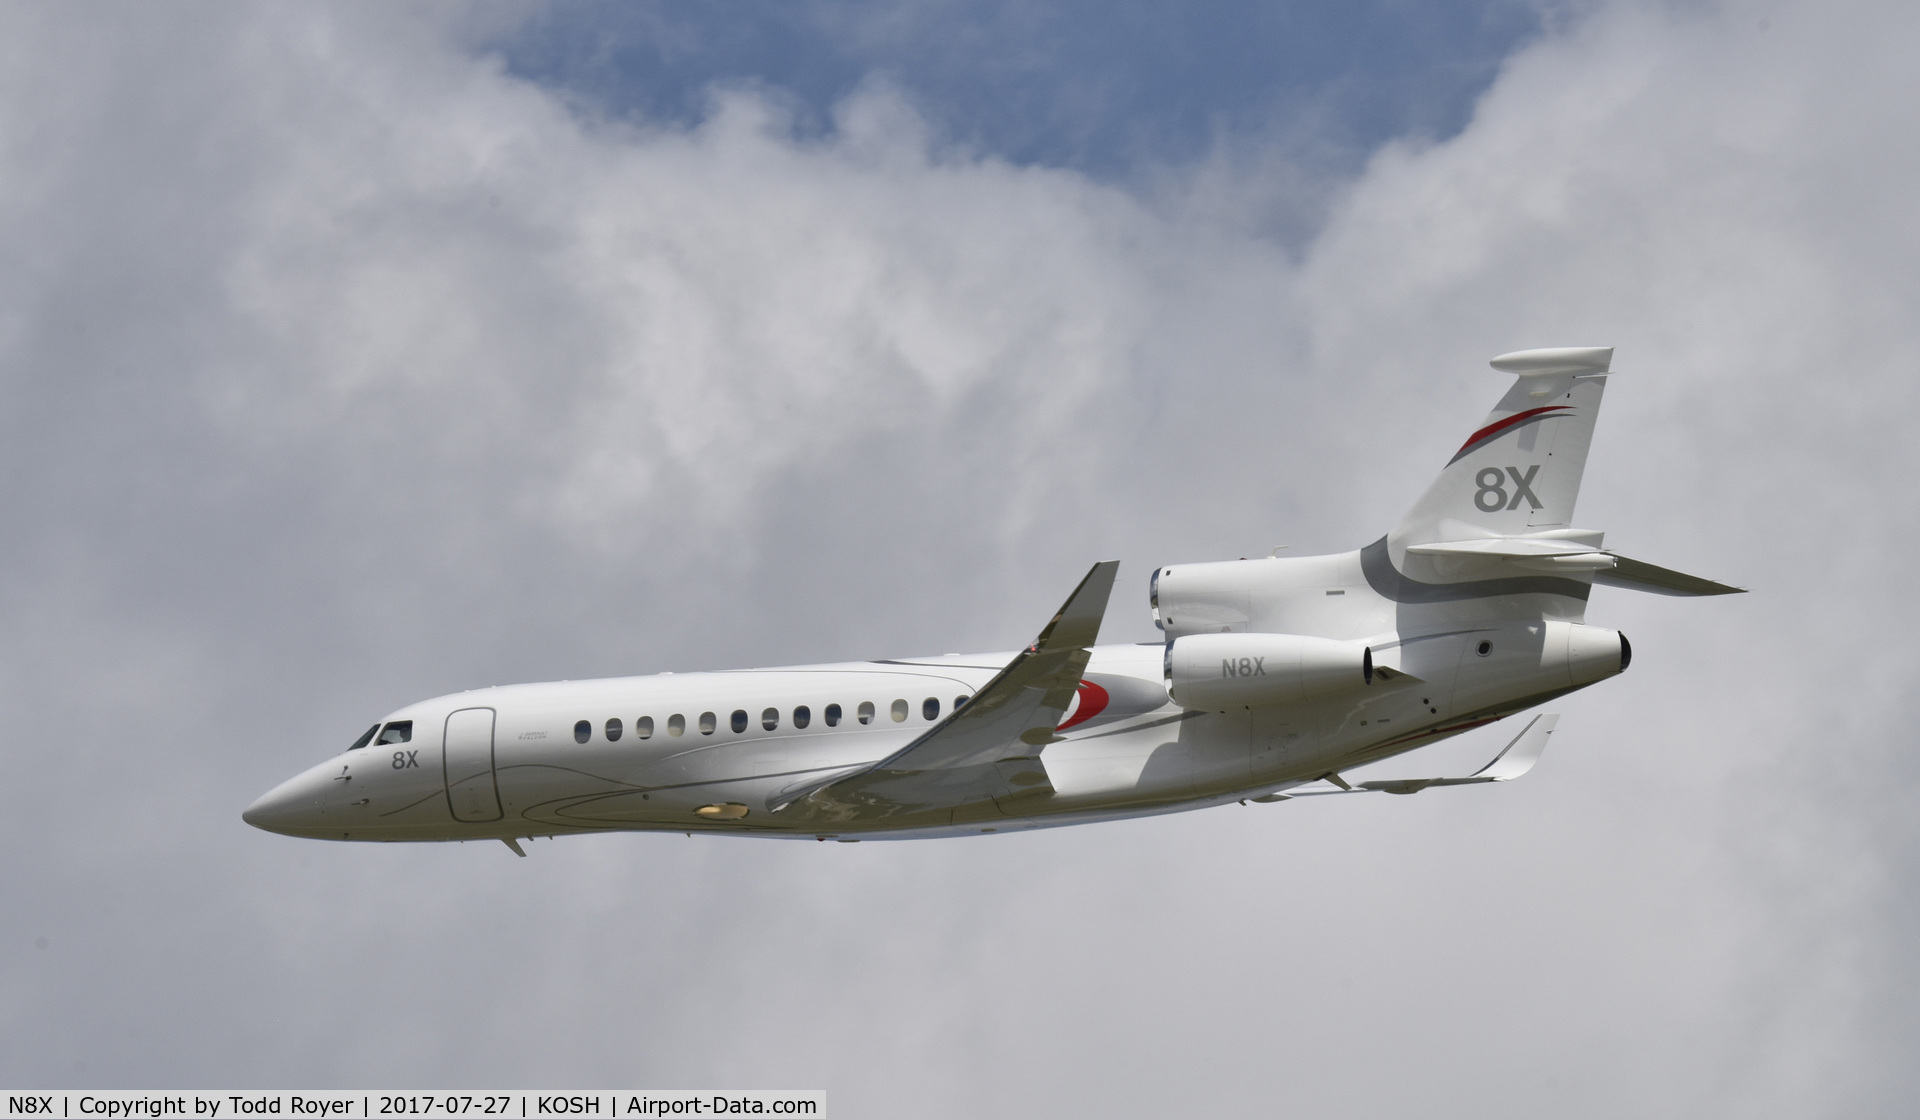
(1275, 676)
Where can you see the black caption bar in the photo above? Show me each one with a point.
(361, 1104)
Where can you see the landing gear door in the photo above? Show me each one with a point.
(467, 758)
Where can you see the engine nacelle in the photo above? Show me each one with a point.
(1217, 672)
(1593, 653)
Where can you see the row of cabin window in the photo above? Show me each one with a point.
(769, 719)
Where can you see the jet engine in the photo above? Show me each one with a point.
(1593, 653)
(1221, 671)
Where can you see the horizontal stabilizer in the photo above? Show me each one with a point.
(1661, 581)
(1507, 548)
(1515, 759)
(1564, 552)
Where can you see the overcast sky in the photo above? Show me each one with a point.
(354, 355)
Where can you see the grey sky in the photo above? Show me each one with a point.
(343, 368)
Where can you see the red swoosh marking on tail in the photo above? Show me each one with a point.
(1498, 426)
(1093, 700)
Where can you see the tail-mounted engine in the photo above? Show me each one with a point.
(1217, 672)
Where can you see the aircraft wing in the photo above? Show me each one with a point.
(1515, 759)
(987, 750)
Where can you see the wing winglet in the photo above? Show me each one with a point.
(1077, 623)
(1519, 755)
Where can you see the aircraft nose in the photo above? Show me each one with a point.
(295, 807)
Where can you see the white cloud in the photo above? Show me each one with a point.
(343, 370)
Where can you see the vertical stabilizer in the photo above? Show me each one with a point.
(1519, 471)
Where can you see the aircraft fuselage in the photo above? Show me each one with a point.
(716, 751)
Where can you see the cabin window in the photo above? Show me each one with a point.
(960, 702)
(364, 739)
(582, 731)
(866, 711)
(399, 731)
(676, 725)
(613, 731)
(802, 716)
(739, 720)
(930, 707)
(899, 711)
(833, 715)
(643, 727)
(708, 723)
(769, 719)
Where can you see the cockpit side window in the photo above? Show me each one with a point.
(399, 731)
(364, 739)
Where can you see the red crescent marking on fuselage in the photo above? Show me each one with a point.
(1093, 701)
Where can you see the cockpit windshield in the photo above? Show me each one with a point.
(399, 731)
(364, 739)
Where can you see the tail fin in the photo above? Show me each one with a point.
(1519, 472)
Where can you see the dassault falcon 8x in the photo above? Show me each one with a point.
(1275, 677)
